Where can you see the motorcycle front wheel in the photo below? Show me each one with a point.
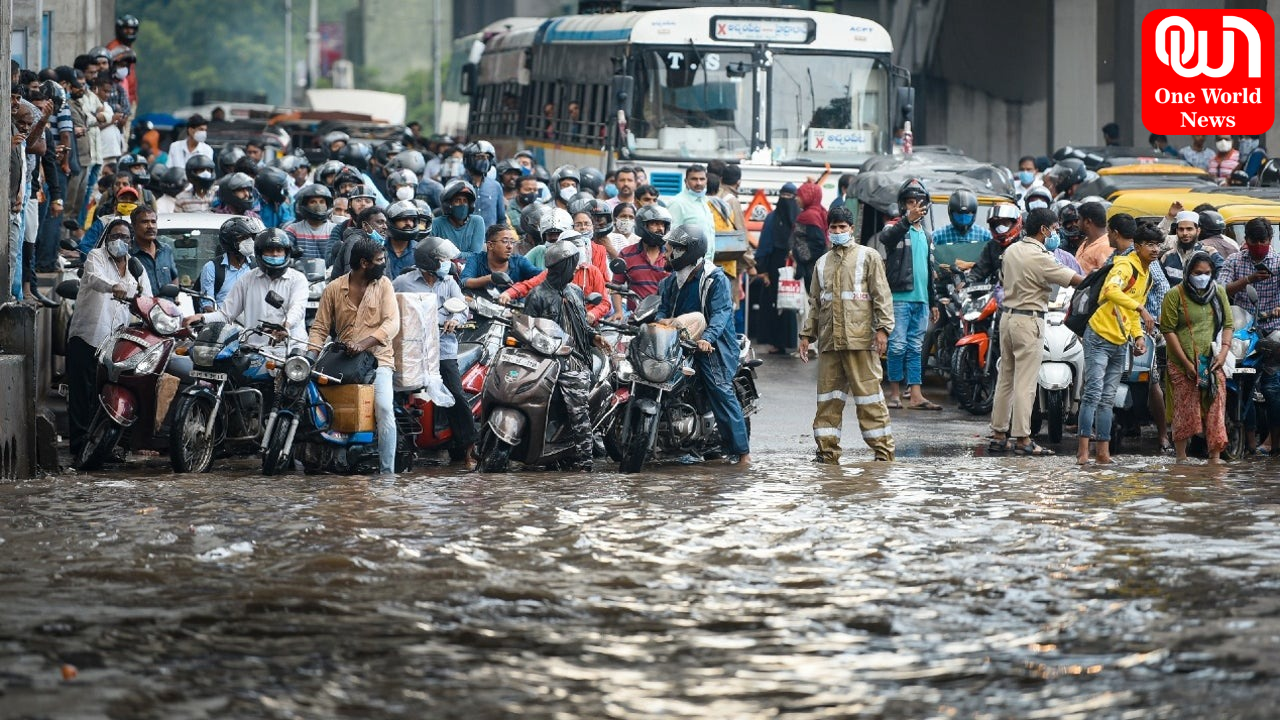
(190, 446)
(1056, 412)
(101, 439)
(495, 455)
(639, 442)
(273, 460)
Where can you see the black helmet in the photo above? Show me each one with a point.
(328, 171)
(431, 251)
(232, 184)
(355, 155)
(454, 188)
(530, 218)
(331, 137)
(99, 52)
(348, 176)
(170, 180)
(50, 90)
(1238, 178)
(386, 150)
(648, 214)
(541, 173)
(199, 170)
(273, 185)
(425, 212)
(399, 211)
(566, 172)
(580, 202)
(126, 29)
(410, 160)
(271, 239)
(687, 246)
(1068, 173)
(1269, 175)
(1069, 214)
(962, 208)
(401, 178)
(591, 180)
(477, 157)
(236, 230)
(1212, 223)
(601, 217)
(135, 165)
(314, 190)
(294, 163)
(911, 189)
(228, 157)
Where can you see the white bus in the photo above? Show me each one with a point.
(782, 92)
(451, 118)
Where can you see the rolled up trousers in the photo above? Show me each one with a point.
(1021, 351)
(851, 375)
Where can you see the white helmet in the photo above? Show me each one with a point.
(557, 220)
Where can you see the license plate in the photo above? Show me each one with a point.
(522, 361)
(202, 375)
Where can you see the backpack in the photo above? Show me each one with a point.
(1088, 296)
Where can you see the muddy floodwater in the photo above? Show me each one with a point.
(945, 585)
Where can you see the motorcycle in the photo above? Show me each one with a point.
(222, 410)
(1130, 409)
(940, 341)
(1061, 377)
(300, 423)
(665, 414)
(130, 364)
(973, 365)
(1245, 359)
(314, 270)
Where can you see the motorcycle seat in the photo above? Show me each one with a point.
(469, 357)
(753, 363)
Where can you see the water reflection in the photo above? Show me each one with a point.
(970, 587)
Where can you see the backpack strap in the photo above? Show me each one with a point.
(219, 276)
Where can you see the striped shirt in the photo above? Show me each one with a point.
(642, 276)
(313, 241)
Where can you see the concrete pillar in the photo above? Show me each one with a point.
(1273, 135)
(1073, 70)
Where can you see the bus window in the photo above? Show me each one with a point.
(690, 104)
(828, 108)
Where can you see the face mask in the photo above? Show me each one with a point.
(1053, 242)
(527, 199)
(274, 261)
(122, 73)
(1037, 204)
(125, 209)
(625, 227)
(201, 136)
(482, 167)
(1223, 146)
(1002, 229)
(568, 192)
(611, 190)
(841, 239)
(375, 272)
(246, 248)
(459, 212)
(699, 193)
(1258, 252)
(442, 272)
(117, 248)
(376, 236)
(962, 220)
(1026, 177)
(1200, 282)
(404, 192)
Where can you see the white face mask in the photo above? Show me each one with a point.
(625, 226)
(1223, 146)
(1002, 229)
(122, 73)
(1200, 282)
(246, 248)
(568, 192)
(117, 248)
(201, 136)
(404, 192)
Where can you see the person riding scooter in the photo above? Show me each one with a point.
(558, 299)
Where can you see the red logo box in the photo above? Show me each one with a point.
(1208, 72)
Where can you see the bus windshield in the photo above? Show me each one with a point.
(828, 108)
(691, 105)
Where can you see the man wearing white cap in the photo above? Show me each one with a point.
(1186, 228)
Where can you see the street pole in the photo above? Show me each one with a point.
(313, 46)
(288, 53)
(436, 95)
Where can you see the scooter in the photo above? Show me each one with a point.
(1061, 378)
(130, 364)
(1130, 409)
(973, 366)
(1245, 359)
(940, 341)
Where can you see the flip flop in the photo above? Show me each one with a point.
(926, 405)
(1031, 449)
(894, 404)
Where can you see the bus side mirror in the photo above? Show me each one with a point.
(906, 105)
(623, 88)
(469, 74)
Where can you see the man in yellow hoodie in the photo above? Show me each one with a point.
(1121, 319)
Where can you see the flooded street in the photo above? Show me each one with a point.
(941, 586)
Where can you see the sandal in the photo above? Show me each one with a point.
(926, 405)
(998, 446)
(1031, 449)
(894, 404)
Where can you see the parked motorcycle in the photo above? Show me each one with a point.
(130, 364)
(973, 366)
(1130, 408)
(1245, 359)
(434, 431)
(665, 415)
(940, 341)
(1061, 378)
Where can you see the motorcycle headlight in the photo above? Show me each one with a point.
(203, 355)
(658, 371)
(544, 343)
(315, 291)
(972, 315)
(626, 373)
(1239, 348)
(149, 359)
(297, 369)
(163, 322)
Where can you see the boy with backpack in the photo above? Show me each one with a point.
(1118, 320)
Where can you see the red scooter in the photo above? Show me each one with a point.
(973, 364)
(130, 364)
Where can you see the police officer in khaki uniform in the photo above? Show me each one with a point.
(1028, 271)
(850, 317)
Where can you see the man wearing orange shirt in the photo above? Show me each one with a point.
(1095, 248)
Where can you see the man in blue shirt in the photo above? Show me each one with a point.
(156, 257)
(459, 223)
(491, 202)
(962, 208)
(235, 241)
(499, 256)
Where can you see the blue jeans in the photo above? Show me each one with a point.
(1270, 387)
(724, 406)
(910, 320)
(1103, 366)
(384, 409)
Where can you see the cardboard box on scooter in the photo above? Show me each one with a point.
(352, 407)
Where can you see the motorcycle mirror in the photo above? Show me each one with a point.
(618, 266)
(68, 244)
(170, 292)
(71, 225)
(135, 268)
(274, 300)
(500, 279)
(1251, 292)
(314, 277)
(594, 298)
(68, 289)
(455, 306)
